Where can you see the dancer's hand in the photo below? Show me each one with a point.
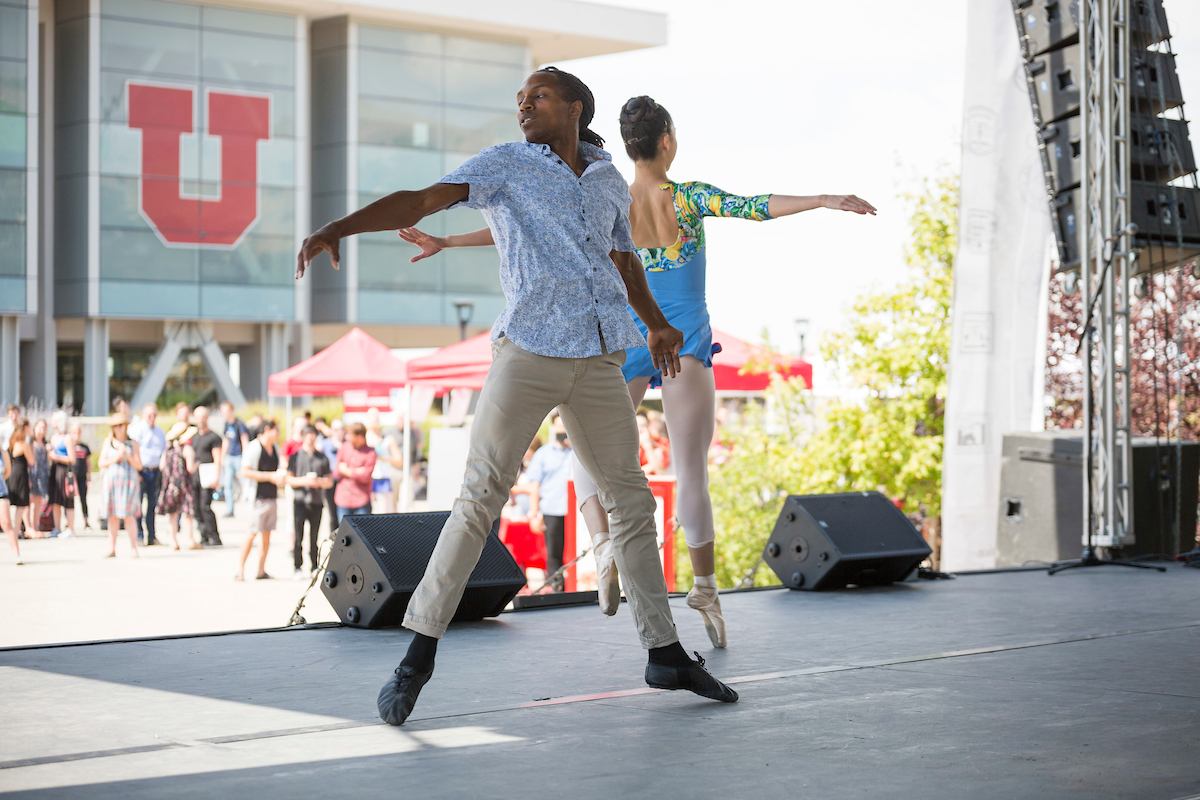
(664, 344)
(848, 202)
(537, 524)
(324, 240)
(430, 245)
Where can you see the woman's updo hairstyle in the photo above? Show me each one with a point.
(643, 123)
(574, 89)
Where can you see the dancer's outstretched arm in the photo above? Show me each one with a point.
(397, 210)
(705, 200)
(432, 245)
(782, 205)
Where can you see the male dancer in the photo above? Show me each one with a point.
(560, 213)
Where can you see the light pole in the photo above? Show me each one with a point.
(465, 310)
(801, 331)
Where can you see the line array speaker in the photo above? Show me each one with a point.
(1159, 148)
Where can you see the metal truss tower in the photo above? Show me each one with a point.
(1107, 261)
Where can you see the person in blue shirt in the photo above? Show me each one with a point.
(236, 439)
(152, 442)
(559, 211)
(547, 481)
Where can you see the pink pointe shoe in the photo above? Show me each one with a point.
(608, 586)
(706, 600)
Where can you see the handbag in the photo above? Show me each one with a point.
(70, 489)
(208, 475)
(45, 522)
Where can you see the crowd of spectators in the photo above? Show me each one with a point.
(147, 470)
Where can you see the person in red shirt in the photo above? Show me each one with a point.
(654, 454)
(296, 440)
(355, 462)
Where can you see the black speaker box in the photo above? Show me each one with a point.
(1041, 497)
(1053, 24)
(1063, 142)
(378, 560)
(1161, 151)
(826, 541)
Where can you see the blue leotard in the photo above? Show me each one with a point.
(676, 273)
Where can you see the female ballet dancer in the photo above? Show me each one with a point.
(668, 227)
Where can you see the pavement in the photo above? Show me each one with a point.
(66, 591)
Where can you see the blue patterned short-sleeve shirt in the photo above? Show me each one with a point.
(554, 231)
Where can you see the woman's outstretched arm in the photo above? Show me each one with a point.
(782, 205)
(706, 200)
(432, 245)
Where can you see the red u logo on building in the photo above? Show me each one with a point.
(164, 114)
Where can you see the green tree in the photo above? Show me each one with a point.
(884, 433)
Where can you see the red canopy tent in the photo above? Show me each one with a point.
(355, 361)
(735, 354)
(462, 365)
(466, 363)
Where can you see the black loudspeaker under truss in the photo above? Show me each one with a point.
(1168, 225)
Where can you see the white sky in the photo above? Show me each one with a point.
(806, 97)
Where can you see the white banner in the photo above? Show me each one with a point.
(1001, 270)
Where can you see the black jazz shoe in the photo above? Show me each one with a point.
(399, 694)
(694, 677)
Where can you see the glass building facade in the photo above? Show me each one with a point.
(398, 109)
(196, 120)
(18, 67)
(162, 160)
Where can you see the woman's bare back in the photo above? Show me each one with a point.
(652, 215)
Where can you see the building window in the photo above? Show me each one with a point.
(197, 161)
(14, 76)
(426, 103)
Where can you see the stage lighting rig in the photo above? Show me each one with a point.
(1121, 183)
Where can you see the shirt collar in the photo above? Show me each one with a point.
(590, 152)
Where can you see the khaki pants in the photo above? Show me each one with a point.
(520, 390)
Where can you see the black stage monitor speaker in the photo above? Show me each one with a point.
(378, 560)
(826, 541)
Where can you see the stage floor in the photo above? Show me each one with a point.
(990, 686)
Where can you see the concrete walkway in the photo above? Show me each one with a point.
(66, 591)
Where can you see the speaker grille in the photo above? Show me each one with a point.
(405, 542)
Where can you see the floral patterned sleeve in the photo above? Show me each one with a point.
(706, 200)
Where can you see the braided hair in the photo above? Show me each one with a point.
(643, 123)
(574, 89)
